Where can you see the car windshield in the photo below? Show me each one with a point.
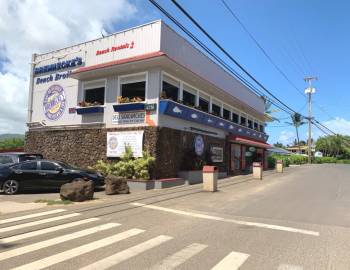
(66, 166)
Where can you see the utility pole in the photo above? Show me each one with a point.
(310, 90)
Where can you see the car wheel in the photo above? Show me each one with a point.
(10, 187)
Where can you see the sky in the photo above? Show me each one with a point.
(303, 38)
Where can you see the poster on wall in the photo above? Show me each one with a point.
(198, 145)
(116, 142)
(217, 154)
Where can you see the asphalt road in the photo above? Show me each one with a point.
(296, 220)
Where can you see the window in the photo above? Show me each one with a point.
(29, 166)
(243, 121)
(235, 117)
(133, 88)
(203, 104)
(216, 109)
(48, 166)
(261, 128)
(170, 88)
(255, 125)
(189, 97)
(94, 92)
(250, 123)
(226, 114)
(5, 160)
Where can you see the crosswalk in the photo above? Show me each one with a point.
(27, 245)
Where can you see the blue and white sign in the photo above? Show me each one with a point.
(54, 103)
(199, 145)
(71, 63)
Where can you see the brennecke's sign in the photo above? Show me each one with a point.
(117, 48)
(77, 61)
(53, 77)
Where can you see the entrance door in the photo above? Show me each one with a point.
(236, 157)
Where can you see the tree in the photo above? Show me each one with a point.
(334, 145)
(268, 111)
(297, 121)
(279, 145)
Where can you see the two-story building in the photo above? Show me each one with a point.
(149, 88)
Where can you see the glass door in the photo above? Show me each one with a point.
(236, 157)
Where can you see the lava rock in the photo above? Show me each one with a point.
(116, 185)
(77, 191)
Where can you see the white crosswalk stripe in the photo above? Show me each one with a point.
(38, 222)
(31, 216)
(289, 267)
(179, 257)
(69, 254)
(45, 231)
(232, 261)
(54, 241)
(127, 253)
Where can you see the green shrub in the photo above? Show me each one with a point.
(271, 160)
(343, 161)
(298, 159)
(320, 160)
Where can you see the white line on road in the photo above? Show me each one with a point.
(240, 222)
(38, 222)
(179, 257)
(127, 253)
(54, 241)
(47, 230)
(232, 261)
(69, 254)
(31, 216)
(289, 267)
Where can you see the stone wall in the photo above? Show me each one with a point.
(83, 147)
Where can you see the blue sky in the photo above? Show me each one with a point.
(302, 37)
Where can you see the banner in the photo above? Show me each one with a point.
(124, 118)
(116, 142)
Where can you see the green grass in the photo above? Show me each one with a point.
(53, 202)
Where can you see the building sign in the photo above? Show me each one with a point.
(77, 61)
(217, 154)
(199, 145)
(151, 107)
(54, 102)
(125, 118)
(116, 48)
(117, 141)
(53, 77)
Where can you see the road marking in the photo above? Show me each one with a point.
(179, 257)
(31, 216)
(289, 267)
(232, 261)
(69, 254)
(54, 241)
(47, 230)
(38, 222)
(127, 253)
(239, 222)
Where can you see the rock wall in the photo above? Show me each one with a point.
(83, 147)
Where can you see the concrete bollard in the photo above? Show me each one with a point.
(210, 178)
(257, 170)
(279, 166)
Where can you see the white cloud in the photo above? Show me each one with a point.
(38, 26)
(286, 137)
(339, 125)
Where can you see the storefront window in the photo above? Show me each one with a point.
(226, 114)
(216, 109)
(235, 118)
(188, 98)
(203, 104)
(170, 88)
(133, 88)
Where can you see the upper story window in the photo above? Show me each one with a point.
(203, 103)
(250, 123)
(256, 125)
(170, 88)
(94, 92)
(215, 108)
(189, 96)
(243, 121)
(133, 88)
(226, 114)
(235, 118)
(261, 128)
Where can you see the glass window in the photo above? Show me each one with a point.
(243, 121)
(48, 166)
(134, 91)
(95, 96)
(255, 126)
(250, 123)
(235, 117)
(203, 104)
(216, 109)
(29, 166)
(189, 99)
(226, 114)
(261, 128)
(5, 160)
(170, 91)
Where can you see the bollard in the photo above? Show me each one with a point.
(279, 166)
(257, 170)
(210, 178)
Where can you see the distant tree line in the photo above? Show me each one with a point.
(11, 143)
(334, 146)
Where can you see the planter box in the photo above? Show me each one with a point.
(140, 184)
(196, 177)
(91, 109)
(155, 184)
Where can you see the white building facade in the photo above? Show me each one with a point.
(149, 88)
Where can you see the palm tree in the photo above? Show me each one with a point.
(269, 111)
(297, 121)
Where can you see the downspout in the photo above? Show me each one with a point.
(31, 88)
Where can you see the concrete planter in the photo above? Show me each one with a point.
(196, 177)
(155, 184)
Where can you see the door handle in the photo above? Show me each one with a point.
(18, 172)
(42, 173)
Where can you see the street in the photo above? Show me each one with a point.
(291, 221)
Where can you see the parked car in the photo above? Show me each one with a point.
(16, 157)
(42, 174)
